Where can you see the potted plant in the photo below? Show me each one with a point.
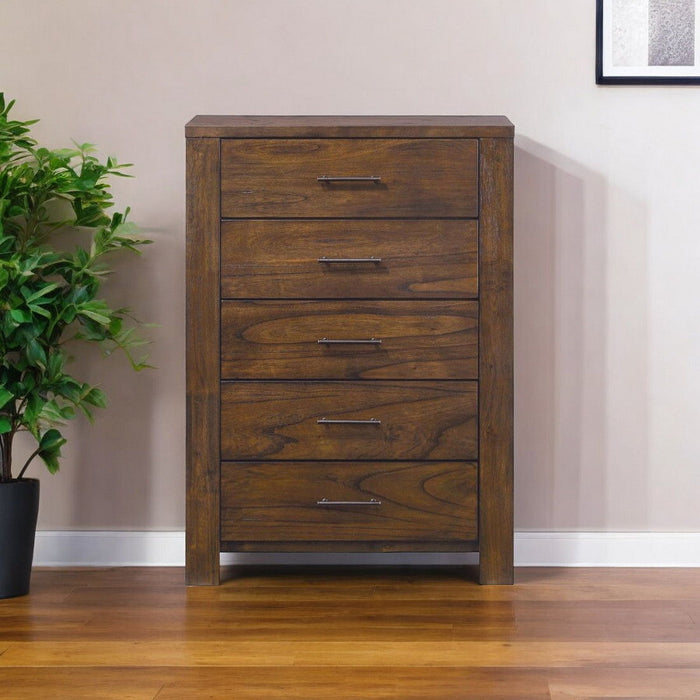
(55, 235)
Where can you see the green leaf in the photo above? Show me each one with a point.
(20, 315)
(69, 389)
(85, 147)
(5, 425)
(69, 314)
(66, 153)
(40, 293)
(97, 311)
(96, 397)
(36, 354)
(50, 459)
(52, 413)
(51, 441)
(115, 326)
(54, 365)
(40, 311)
(96, 316)
(35, 405)
(5, 396)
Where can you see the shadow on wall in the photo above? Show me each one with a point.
(113, 458)
(566, 403)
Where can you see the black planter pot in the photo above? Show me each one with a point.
(19, 506)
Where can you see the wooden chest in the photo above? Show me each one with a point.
(349, 337)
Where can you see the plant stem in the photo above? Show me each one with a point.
(28, 462)
(6, 456)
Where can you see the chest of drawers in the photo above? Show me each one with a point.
(349, 337)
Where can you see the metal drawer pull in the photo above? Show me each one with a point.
(366, 178)
(349, 341)
(333, 421)
(371, 259)
(371, 502)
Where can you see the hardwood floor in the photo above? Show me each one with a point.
(140, 634)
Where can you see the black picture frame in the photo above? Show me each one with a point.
(631, 74)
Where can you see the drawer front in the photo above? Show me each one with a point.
(386, 259)
(335, 501)
(348, 420)
(414, 178)
(360, 340)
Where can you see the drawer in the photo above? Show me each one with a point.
(341, 340)
(335, 501)
(349, 420)
(269, 259)
(413, 178)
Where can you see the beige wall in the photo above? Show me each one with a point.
(607, 223)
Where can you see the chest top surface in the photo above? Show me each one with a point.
(224, 126)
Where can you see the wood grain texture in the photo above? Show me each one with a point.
(278, 420)
(496, 361)
(279, 258)
(339, 655)
(275, 501)
(234, 126)
(420, 178)
(203, 344)
(343, 633)
(280, 340)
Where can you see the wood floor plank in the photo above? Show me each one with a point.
(648, 621)
(626, 683)
(359, 683)
(81, 684)
(343, 654)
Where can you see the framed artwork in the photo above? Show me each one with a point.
(647, 42)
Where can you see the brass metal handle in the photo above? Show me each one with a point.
(371, 502)
(370, 259)
(343, 421)
(349, 341)
(353, 178)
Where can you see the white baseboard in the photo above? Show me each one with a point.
(607, 549)
(107, 548)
